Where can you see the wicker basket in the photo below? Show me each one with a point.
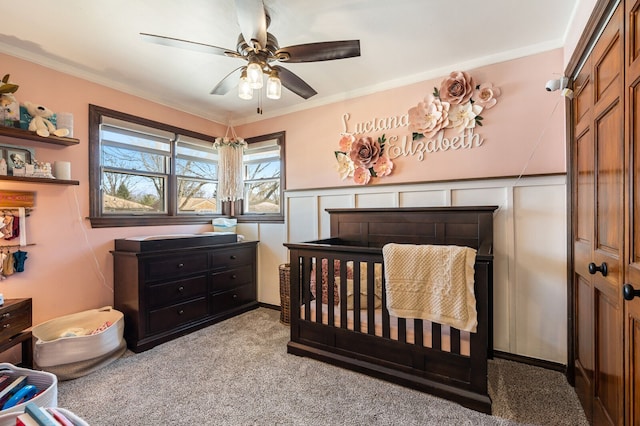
(284, 293)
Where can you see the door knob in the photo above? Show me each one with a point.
(628, 292)
(593, 268)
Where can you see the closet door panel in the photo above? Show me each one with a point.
(583, 176)
(631, 308)
(608, 71)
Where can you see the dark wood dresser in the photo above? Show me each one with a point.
(170, 287)
(15, 319)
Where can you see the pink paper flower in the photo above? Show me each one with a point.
(485, 95)
(361, 176)
(457, 88)
(365, 152)
(429, 117)
(346, 141)
(383, 166)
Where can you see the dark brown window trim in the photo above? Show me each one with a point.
(262, 218)
(99, 220)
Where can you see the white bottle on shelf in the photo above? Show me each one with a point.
(3, 167)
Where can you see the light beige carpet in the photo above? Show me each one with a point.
(238, 373)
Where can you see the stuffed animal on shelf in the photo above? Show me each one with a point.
(40, 122)
(10, 111)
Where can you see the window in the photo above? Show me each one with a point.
(147, 173)
(144, 173)
(263, 180)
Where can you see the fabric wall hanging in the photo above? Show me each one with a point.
(230, 174)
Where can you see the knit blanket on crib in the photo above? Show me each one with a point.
(431, 282)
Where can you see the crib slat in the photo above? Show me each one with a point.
(371, 310)
(318, 290)
(455, 340)
(402, 330)
(436, 336)
(343, 296)
(417, 332)
(357, 324)
(385, 311)
(306, 290)
(330, 293)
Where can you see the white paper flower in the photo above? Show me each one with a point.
(463, 116)
(345, 165)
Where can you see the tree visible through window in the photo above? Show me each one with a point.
(147, 173)
(143, 172)
(263, 163)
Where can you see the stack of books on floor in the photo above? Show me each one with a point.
(42, 416)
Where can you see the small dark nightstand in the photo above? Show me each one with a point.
(15, 318)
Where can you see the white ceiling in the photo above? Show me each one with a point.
(401, 41)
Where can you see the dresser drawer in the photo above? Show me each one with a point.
(227, 300)
(14, 318)
(171, 266)
(231, 258)
(232, 278)
(176, 291)
(175, 315)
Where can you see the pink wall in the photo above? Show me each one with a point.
(69, 268)
(523, 132)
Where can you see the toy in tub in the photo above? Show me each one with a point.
(74, 345)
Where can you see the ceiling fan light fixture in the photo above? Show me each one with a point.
(244, 88)
(254, 75)
(274, 86)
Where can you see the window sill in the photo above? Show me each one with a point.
(130, 221)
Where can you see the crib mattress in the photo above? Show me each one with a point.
(427, 335)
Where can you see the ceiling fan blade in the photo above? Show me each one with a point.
(228, 83)
(322, 51)
(253, 21)
(190, 45)
(294, 83)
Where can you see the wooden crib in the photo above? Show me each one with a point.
(350, 326)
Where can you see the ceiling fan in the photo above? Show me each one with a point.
(260, 49)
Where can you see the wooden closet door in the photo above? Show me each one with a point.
(599, 226)
(632, 278)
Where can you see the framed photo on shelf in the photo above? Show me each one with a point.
(17, 157)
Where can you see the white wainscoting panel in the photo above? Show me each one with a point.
(540, 285)
(530, 235)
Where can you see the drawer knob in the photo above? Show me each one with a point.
(6, 315)
(234, 276)
(180, 265)
(6, 326)
(235, 296)
(181, 289)
(233, 257)
(181, 311)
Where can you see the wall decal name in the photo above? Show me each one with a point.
(453, 109)
(407, 147)
(375, 124)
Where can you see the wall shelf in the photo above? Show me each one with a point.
(12, 132)
(39, 180)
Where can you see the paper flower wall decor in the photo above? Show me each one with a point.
(362, 158)
(456, 105)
